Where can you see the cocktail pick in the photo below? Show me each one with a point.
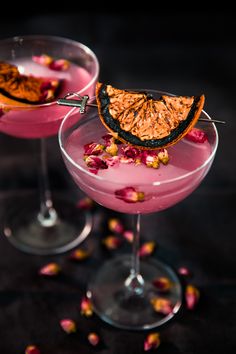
(82, 103)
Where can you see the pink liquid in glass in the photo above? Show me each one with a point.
(162, 187)
(43, 121)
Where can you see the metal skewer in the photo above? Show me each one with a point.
(82, 103)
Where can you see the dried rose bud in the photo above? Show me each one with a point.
(43, 59)
(152, 341)
(147, 249)
(150, 158)
(79, 255)
(184, 271)
(162, 306)
(59, 65)
(112, 149)
(112, 242)
(196, 135)
(192, 295)
(93, 149)
(124, 159)
(68, 325)
(115, 225)
(50, 269)
(128, 235)
(130, 195)
(131, 151)
(109, 139)
(112, 160)
(32, 349)
(163, 156)
(162, 284)
(86, 203)
(86, 308)
(93, 339)
(95, 162)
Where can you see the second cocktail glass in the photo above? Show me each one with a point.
(45, 225)
(123, 291)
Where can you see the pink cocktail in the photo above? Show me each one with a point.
(122, 291)
(47, 226)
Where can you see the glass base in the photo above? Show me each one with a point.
(115, 304)
(64, 230)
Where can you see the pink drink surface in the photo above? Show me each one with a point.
(39, 122)
(185, 157)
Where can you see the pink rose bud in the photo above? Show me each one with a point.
(95, 162)
(86, 203)
(93, 149)
(162, 284)
(111, 242)
(59, 65)
(79, 255)
(86, 308)
(43, 59)
(147, 249)
(32, 349)
(115, 225)
(192, 295)
(68, 325)
(162, 306)
(50, 269)
(130, 195)
(152, 341)
(128, 235)
(93, 339)
(196, 135)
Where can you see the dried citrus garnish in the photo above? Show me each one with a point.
(136, 118)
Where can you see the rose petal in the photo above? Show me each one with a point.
(112, 242)
(196, 135)
(152, 341)
(112, 160)
(86, 308)
(162, 284)
(115, 225)
(130, 195)
(79, 255)
(162, 306)
(32, 349)
(93, 338)
(68, 325)
(147, 249)
(85, 203)
(95, 162)
(50, 269)
(43, 59)
(93, 149)
(59, 65)
(131, 152)
(192, 295)
(128, 235)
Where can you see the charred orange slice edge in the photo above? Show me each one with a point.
(136, 118)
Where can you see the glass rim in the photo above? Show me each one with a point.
(156, 183)
(58, 39)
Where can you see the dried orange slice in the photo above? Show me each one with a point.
(136, 118)
(19, 90)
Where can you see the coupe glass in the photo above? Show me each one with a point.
(40, 225)
(122, 290)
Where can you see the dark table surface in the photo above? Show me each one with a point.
(179, 52)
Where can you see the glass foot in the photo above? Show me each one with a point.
(115, 304)
(61, 232)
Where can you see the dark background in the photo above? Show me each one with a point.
(174, 50)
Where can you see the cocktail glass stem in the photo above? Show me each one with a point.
(135, 281)
(47, 215)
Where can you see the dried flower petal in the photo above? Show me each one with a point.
(150, 158)
(130, 195)
(95, 162)
(93, 338)
(59, 65)
(147, 249)
(192, 295)
(162, 284)
(43, 59)
(184, 271)
(86, 308)
(112, 242)
(68, 325)
(196, 135)
(93, 149)
(115, 225)
(86, 203)
(162, 306)
(152, 341)
(95, 172)
(79, 254)
(112, 149)
(32, 349)
(128, 235)
(50, 269)
(163, 156)
(131, 151)
(112, 161)
(109, 139)
(124, 159)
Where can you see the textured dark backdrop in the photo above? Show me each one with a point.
(179, 52)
